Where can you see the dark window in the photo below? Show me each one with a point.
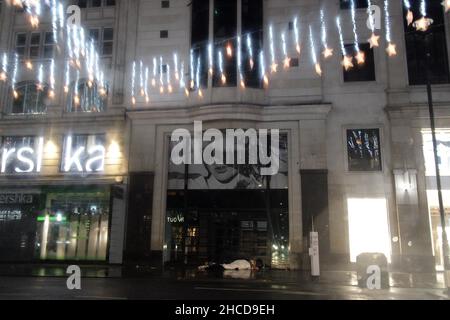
(416, 47)
(346, 4)
(21, 43)
(108, 40)
(35, 42)
(252, 25)
(225, 29)
(165, 4)
(110, 3)
(30, 99)
(199, 39)
(360, 72)
(163, 34)
(294, 62)
(49, 45)
(96, 3)
(82, 3)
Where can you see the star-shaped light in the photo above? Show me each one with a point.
(192, 84)
(446, 4)
(374, 41)
(3, 76)
(327, 52)
(229, 51)
(147, 99)
(29, 65)
(133, 100)
(287, 62)
(391, 49)
(266, 80)
(224, 79)
(274, 67)
(318, 69)
(169, 88)
(347, 63)
(242, 84)
(51, 94)
(18, 3)
(423, 24)
(76, 100)
(200, 93)
(409, 17)
(252, 63)
(360, 57)
(298, 48)
(142, 92)
(161, 89)
(186, 92)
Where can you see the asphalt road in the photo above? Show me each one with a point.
(161, 288)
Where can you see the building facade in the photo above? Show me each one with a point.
(356, 160)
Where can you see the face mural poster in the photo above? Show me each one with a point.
(364, 150)
(229, 176)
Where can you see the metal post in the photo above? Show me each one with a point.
(445, 248)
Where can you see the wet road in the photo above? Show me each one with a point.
(193, 289)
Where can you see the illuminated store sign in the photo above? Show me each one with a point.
(21, 154)
(83, 154)
(16, 198)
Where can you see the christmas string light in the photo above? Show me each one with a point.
(67, 77)
(175, 63)
(182, 83)
(40, 78)
(287, 60)
(133, 77)
(210, 59)
(76, 96)
(327, 52)
(154, 73)
(297, 36)
(374, 39)
(250, 51)
(51, 93)
(168, 79)
(197, 78)
(262, 65)
(446, 4)
(313, 52)
(409, 13)
(147, 99)
(360, 57)
(274, 65)
(222, 75)
(192, 69)
(4, 72)
(54, 21)
(61, 15)
(346, 60)
(161, 79)
(239, 58)
(14, 76)
(141, 78)
(424, 22)
(391, 48)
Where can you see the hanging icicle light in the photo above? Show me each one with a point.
(262, 65)
(424, 22)
(154, 73)
(222, 74)
(133, 84)
(102, 88)
(182, 83)
(161, 78)
(40, 78)
(239, 58)
(51, 92)
(274, 65)
(287, 60)
(197, 78)
(250, 51)
(409, 13)
(391, 48)
(313, 52)
(192, 84)
(4, 72)
(76, 96)
(54, 11)
(147, 99)
(446, 4)
(210, 59)
(67, 77)
(14, 76)
(374, 39)
(327, 52)
(141, 78)
(168, 79)
(297, 36)
(175, 64)
(360, 57)
(346, 60)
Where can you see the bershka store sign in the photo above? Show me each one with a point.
(81, 154)
(21, 155)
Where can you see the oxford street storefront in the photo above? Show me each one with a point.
(58, 206)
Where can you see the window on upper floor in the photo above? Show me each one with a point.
(359, 4)
(31, 98)
(94, 3)
(416, 47)
(360, 72)
(84, 96)
(224, 69)
(103, 40)
(35, 45)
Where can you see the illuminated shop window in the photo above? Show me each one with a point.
(31, 98)
(443, 149)
(368, 227)
(74, 226)
(85, 96)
